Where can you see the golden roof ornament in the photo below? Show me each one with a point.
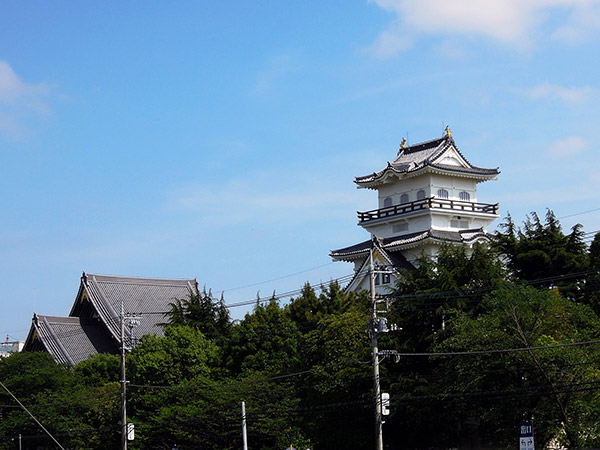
(448, 132)
(403, 143)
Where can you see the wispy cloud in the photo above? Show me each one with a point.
(20, 102)
(513, 22)
(569, 146)
(583, 24)
(275, 69)
(260, 200)
(567, 94)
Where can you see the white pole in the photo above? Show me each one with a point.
(244, 436)
(376, 387)
(123, 384)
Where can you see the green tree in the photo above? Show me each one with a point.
(169, 404)
(424, 301)
(337, 389)
(591, 290)
(542, 252)
(80, 412)
(309, 308)
(494, 391)
(266, 341)
(202, 312)
(457, 279)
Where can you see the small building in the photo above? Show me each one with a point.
(93, 325)
(427, 196)
(9, 347)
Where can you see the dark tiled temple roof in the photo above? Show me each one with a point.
(69, 339)
(93, 325)
(426, 155)
(145, 297)
(391, 244)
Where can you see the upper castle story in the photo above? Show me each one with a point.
(428, 186)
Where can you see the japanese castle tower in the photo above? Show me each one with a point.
(427, 196)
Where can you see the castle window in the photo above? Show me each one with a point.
(387, 202)
(420, 194)
(400, 227)
(464, 196)
(385, 278)
(376, 276)
(457, 223)
(442, 193)
(404, 198)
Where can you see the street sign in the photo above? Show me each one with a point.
(385, 404)
(526, 436)
(130, 432)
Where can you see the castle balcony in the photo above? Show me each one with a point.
(429, 203)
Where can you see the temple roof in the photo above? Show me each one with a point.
(93, 325)
(69, 340)
(439, 154)
(395, 243)
(145, 297)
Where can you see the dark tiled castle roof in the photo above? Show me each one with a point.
(395, 243)
(426, 154)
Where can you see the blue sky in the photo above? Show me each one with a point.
(220, 140)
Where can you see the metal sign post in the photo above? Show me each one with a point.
(526, 436)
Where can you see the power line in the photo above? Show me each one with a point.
(487, 352)
(579, 213)
(31, 415)
(239, 383)
(274, 279)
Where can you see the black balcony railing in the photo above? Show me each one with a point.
(427, 203)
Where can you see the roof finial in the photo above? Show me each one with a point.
(403, 143)
(448, 132)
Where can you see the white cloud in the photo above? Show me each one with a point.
(275, 69)
(390, 42)
(260, 200)
(584, 22)
(510, 21)
(22, 103)
(14, 91)
(569, 146)
(571, 95)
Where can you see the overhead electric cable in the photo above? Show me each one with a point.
(487, 352)
(274, 279)
(32, 416)
(579, 213)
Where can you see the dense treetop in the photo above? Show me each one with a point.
(489, 336)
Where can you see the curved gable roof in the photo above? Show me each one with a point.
(423, 155)
(69, 340)
(397, 243)
(101, 296)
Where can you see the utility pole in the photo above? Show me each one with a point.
(244, 436)
(373, 332)
(127, 431)
(123, 384)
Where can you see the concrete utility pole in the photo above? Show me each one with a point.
(244, 436)
(123, 384)
(373, 331)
